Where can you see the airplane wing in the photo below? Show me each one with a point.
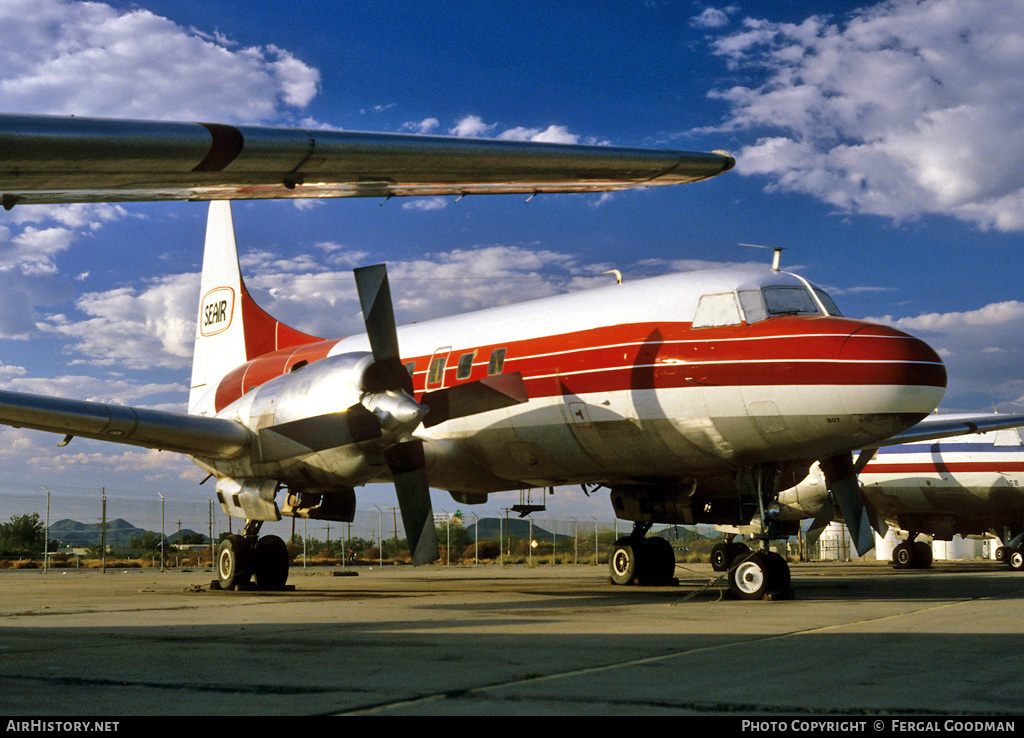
(46, 159)
(214, 438)
(935, 427)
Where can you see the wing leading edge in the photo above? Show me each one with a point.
(212, 438)
(45, 159)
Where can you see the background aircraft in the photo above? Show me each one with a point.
(971, 484)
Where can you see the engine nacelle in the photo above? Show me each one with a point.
(310, 426)
(249, 499)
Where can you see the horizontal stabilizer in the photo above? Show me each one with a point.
(212, 438)
(51, 159)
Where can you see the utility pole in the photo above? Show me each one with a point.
(103, 533)
(163, 538)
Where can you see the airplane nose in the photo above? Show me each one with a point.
(896, 379)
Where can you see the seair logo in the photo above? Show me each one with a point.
(216, 312)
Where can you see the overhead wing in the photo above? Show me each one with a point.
(213, 438)
(944, 426)
(46, 159)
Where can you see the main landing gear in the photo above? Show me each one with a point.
(761, 574)
(912, 554)
(242, 558)
(635, 559)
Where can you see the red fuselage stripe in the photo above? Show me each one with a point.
(784, 351)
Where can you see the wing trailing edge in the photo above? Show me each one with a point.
(46, 159)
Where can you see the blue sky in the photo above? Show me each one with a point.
(879, 146)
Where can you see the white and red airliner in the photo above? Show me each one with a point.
(967, 485)
(692, 397)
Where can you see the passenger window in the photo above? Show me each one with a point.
(789, 301)
(715, 310)
(753, 306)
(496, 363)
(465, 367)
(436, 370)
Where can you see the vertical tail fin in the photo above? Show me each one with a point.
(231, 328)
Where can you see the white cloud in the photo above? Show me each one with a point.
(551, 134)
(79, 58)
(159, 334)
(960, 337)
(713, 17)
(425, 203)
(427, 125)
(902, 109)
(472, 126)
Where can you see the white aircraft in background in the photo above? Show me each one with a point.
(691, 397)
(967, 485)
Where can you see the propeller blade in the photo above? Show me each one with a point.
(407, 465)
(307, 435)
(492, 393)
(842, 484)
(820, 522)
(387, 371)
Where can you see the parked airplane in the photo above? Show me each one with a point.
(964, 485)
(689, 396)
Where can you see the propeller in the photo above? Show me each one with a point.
(389, 396)
(388, 413)
(860, 516)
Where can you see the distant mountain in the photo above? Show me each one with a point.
(520, 528)
(119, 533)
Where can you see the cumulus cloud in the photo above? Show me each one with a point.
(993, 330)
(473, 126)
(79, 58)
(901, 109)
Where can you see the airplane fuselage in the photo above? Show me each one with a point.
(668, 380)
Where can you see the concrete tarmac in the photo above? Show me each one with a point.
(858, 639)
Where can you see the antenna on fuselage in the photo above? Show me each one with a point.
(775, 259)
(617, 273)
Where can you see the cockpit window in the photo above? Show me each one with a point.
(789, 301)
(716, 310)
(753, 305)
(830, 306)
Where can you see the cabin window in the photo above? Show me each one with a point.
(789, 301)
(410, 366)
(753, 305)
(465, 367)
(494, 366)
(436, 370)
(830, 306)
(715, 310)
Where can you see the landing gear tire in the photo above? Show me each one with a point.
(271, 563)
(657, 564)
(1001, 553)
(723, 554)
(622, 563)
(903, 556)
(761, 575)
(922, 555)
(234, 562)
(1015, 559)
(720, 557)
